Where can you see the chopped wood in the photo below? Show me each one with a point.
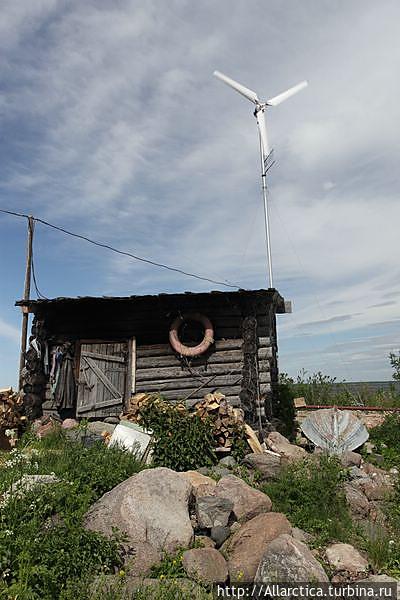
(11, 409)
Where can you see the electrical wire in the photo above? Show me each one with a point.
(122, 252)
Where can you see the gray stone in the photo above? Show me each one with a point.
(98, 427)
(356, 473)
(382, 579)
(357, 501)
(205, 541)
(301, 536)
(350, 459)
(344, 557)
(112, 420)
(205, 564)
(377, 458)
(246, 547)
(143, 557)
(204, 470)
(289, 452)
(151, 506)
(247, 502)
(228, 461)
(268, 464)
(212, 511)
(219, 534)
(220, 471)
(288, 560)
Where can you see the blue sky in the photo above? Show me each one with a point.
(113, 126)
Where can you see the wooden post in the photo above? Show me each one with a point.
(27, 291)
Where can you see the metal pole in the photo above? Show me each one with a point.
(27, 291)
(266, 214)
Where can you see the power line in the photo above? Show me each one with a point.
(129, 254)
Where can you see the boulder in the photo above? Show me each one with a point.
(357, 501)
(268, 464)
(246, 547)
(373, 489)
(220, 534)
(385, 579)
(288, 560)
(143, 556)
(350, 459)
(220, 471)
(205, 541)
(247, 502)
(205, 564)
(212, 511)
(301, 536)
(151, 506)
(200, 483)
(289, 452)
(344, 557)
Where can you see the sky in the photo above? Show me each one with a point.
(112, 126)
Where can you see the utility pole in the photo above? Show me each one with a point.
(27, 291)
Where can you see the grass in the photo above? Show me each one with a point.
(309, 494)
(43, 545)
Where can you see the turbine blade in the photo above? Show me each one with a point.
(262, 128)
(285, 95)
(249, 94)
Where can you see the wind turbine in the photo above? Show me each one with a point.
(265, 151)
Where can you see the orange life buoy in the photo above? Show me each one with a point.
(188, 350)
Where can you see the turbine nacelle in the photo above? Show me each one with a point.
(260, 108)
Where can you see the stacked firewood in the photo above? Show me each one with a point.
(226, 420)
(139, 401)
(11, 409)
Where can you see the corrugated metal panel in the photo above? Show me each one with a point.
(335, 430)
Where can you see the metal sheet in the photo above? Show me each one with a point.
(335, 430)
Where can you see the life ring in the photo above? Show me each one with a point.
(194, 350)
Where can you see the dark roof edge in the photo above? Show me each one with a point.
(281, 306)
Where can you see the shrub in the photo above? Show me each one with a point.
(285, 411)
(308, 492)
(181, 441)
(386, 438)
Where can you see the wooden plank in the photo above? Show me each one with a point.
(180, 372)
(104, 380)
(188, 382)
(105, 357)
(170, 360)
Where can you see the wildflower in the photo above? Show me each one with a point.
(162, 576)
(121, 573)
(391, 542)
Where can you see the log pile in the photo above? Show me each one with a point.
(139, 401)
(11, 409)
(226, 420)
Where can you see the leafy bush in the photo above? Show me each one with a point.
(308, 492)
(43, 545)
(181, 441)
(285, 411)
(386, 438)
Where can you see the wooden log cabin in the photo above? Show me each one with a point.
(112, 347)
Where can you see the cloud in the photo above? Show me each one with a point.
(115, 128)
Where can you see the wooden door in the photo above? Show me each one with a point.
(103, 377)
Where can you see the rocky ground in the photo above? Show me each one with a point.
(229, 525)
